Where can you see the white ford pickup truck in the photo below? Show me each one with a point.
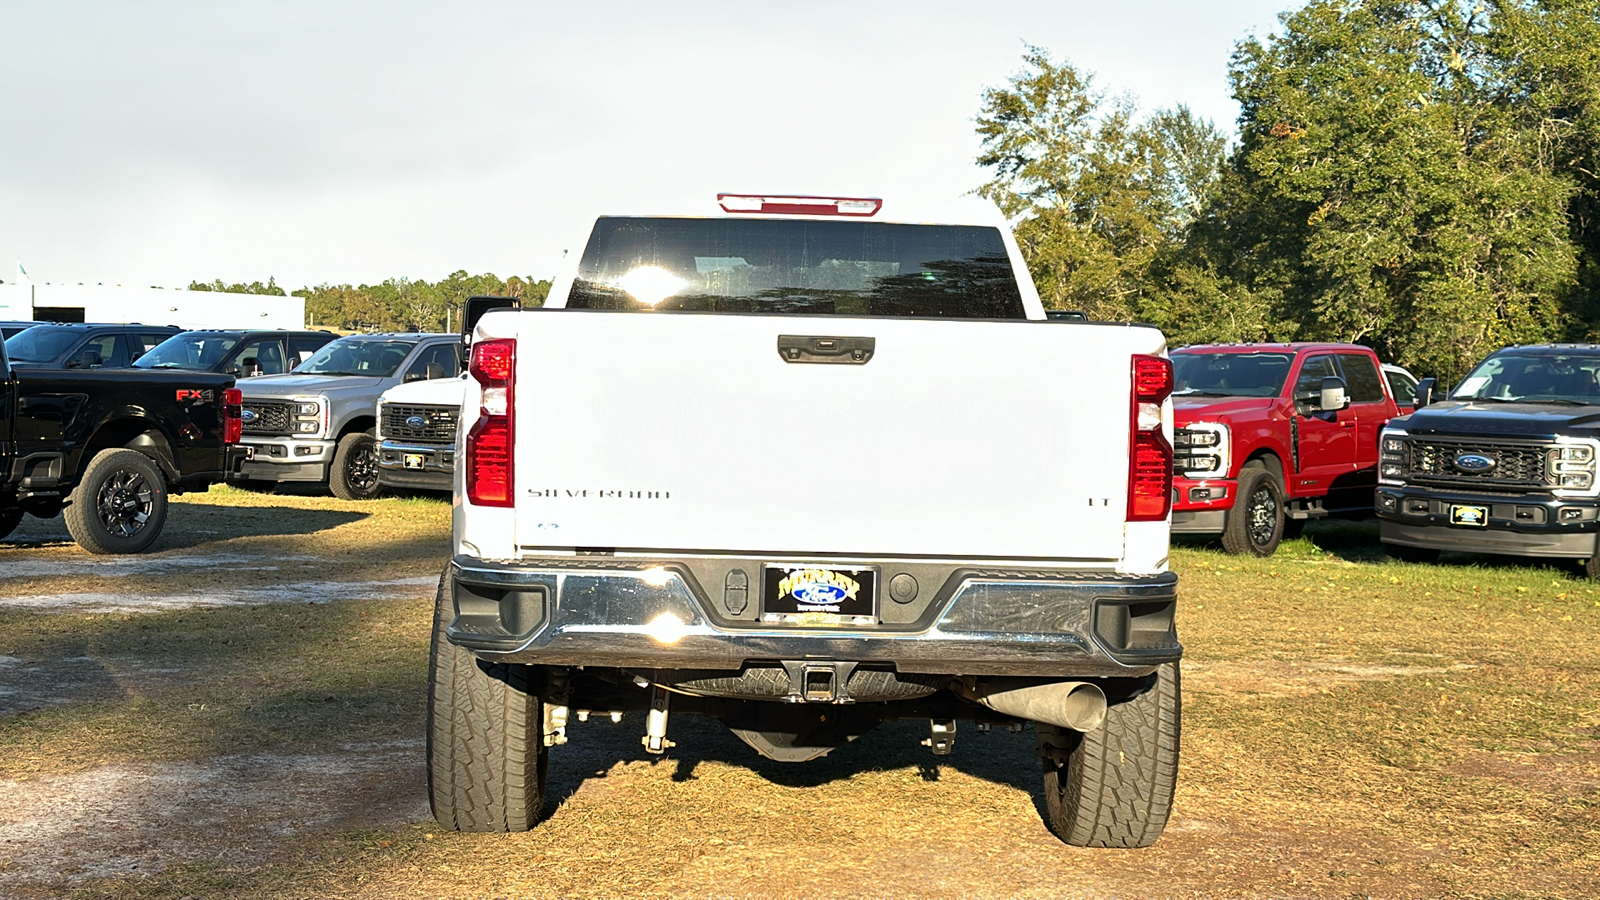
(805, 465)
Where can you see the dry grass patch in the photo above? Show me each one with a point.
(1353, 728)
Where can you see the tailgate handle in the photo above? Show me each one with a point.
(811, 348)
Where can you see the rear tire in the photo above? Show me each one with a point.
(487, 762)
(9, 520)
(1254, 526)
(1591, 567)
(354, 473)
(120, 505)
(1402, 553)
(1116, 785)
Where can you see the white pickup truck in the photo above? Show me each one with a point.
(806, 465)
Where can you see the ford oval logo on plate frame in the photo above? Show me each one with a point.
(415, 421)
(800, 590)
(1473, 463)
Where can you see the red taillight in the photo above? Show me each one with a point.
(800, 206)
(232, 415)
(1149, 454)
(491, 360)
(490, 443)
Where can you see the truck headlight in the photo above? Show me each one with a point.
(310, 416)
(1201, 450)
(1572, 467)
(1394, 457)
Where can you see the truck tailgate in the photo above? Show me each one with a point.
(1000, 439)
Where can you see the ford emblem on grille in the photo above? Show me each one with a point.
(1474, 463)
(415, 422)
(249, 415)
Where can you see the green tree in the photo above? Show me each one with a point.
(1385, 189)
(403, 304)
(530, 292)
(1549, 54)
(255, 287)
(1100, 196)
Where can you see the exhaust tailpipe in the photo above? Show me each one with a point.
(1077, 705)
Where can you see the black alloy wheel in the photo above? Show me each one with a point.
(354, 474)
(1262, 508)
(125, 503)
(364, 468)
(119, 505)
(1255, 526)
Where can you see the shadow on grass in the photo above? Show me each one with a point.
(1358, 542)
(1349, 540)
(191, 526)
(594, 748)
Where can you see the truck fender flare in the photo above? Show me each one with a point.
(1273, 462)
(134, 433)
(154, 444)
(357, 424)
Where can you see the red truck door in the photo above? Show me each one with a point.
(1369, 406)
(1325, 442)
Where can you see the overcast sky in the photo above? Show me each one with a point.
(155, 143)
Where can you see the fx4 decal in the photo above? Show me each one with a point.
(196, 394)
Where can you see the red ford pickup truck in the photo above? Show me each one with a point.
(1271, 435)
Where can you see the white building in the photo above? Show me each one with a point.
(148, 306)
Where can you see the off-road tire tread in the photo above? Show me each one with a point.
(1116, 787)
(82, 515)
(338, 481)
(1236, 530)
(487, 762)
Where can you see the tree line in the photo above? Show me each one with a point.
(396, 304)
(1421, 176)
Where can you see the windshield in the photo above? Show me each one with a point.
(1533, 378)
(190, 350)
(357, 356)
(40, 343)
(1229, 374)
(846, 268)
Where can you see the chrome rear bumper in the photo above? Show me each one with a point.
(633, 613)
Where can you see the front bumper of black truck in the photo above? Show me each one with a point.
(1513, 524)
(655, 614)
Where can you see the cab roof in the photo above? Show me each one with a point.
(1291, 347)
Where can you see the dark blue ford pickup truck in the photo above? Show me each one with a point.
(106, 447)
(1507, 464)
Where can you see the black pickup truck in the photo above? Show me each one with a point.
(105, 448)
(1508, 464)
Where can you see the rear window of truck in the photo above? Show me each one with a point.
(1533, 377)
(799, 267)
(1230, 374)
(41, 343)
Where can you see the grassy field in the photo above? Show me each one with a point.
(1353, 727)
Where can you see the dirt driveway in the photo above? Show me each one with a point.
(239, 713)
